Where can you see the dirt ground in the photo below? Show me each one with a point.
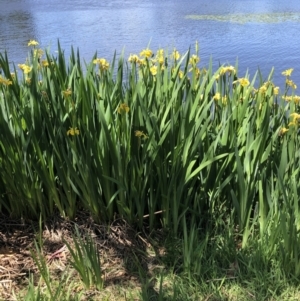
(123, 251)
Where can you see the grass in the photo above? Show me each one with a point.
(149, 145)
(136, 266)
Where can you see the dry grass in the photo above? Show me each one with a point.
(123, 252)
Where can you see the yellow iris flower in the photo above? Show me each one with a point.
(45, 63)
(290, 83)
(73, 132)
(5, 81)
(295, 117)
(123, 108)
(176, 55)
(160, 56)
(263, 89)
(229, 69)
(217, 96)
(276, 90)
(194, 59)
(180, 74)
(140, 134)
(224, 100)
(33, 43)
(38, 53)
(103, 64)
(133, 58)
(67, 93)
(283, 131)
(146, 53)
(244, 82)
(26, 69)
(295, 98)
(153, 70)
(287, 72)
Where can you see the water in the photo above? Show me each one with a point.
(259, 33)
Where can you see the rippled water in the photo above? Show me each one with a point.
(257, 32)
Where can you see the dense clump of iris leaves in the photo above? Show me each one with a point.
(159, 142)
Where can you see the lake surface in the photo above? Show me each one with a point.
(262, 33)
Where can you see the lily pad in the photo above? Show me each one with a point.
(250, 18)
